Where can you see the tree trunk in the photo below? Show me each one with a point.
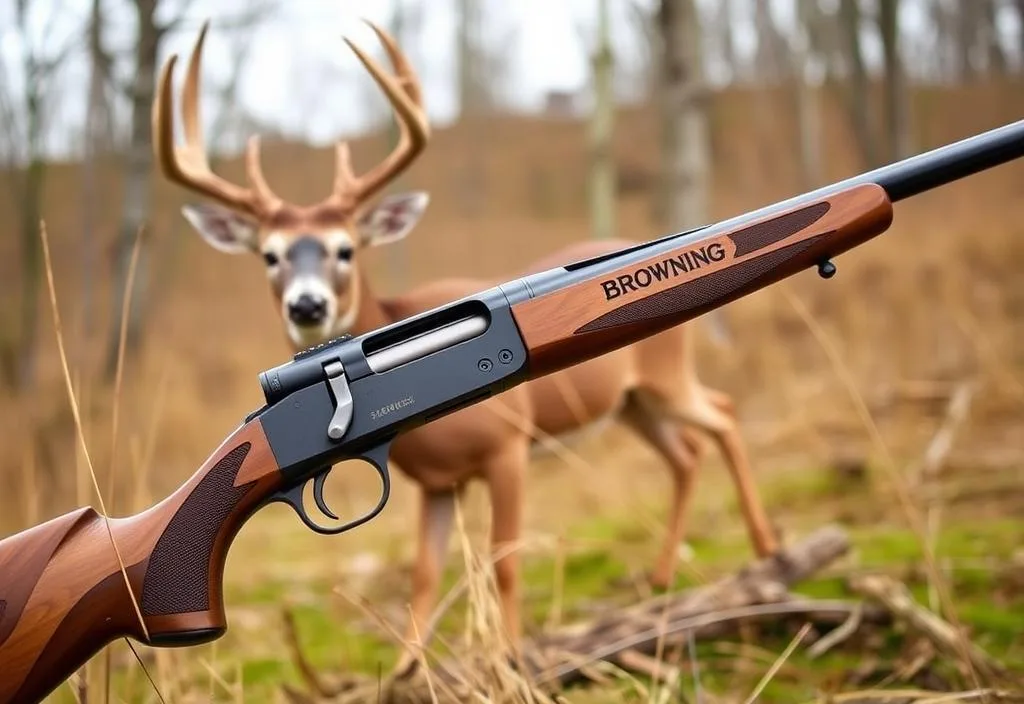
(31, 209)
(896, 103)
(471, 102)
(684, 117)
(1019, 6)
(725, 22)
(808, 115)
(602, 166)
(858, 95)
(97, 140)
(770, 49)
(997, 62)
(967, 21)
(31, 263)
(138, 170)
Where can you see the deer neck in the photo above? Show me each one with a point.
(368, 311)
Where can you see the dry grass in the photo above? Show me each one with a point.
(933, 303)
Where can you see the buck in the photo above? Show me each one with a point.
(312, 263)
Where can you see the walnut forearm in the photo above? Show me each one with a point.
(63, 596)
(612, 310)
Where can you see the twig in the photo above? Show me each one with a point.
(309, 674)
(839, 634)
(898, 599)
(691, 624)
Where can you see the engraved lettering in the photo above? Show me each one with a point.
(611, 289)
(659, 270)
(667, 268)
(391, 408)
(678, 265)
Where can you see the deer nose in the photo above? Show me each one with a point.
(307, 310)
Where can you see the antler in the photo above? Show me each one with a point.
(404, 94)
(187, 164)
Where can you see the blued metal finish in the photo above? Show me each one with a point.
(415, 392)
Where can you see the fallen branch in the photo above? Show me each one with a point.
(626, 639)
(897, 599)
(763, 582)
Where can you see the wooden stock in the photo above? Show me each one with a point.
(63, 596)
(612, 310)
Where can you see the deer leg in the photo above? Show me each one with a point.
(505, 485)
(437, 509)
(714, 417)
(681, 451)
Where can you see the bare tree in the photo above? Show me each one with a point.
(474, 99)
(686, 158)
(25, 123)
(770, 56)
(98, 142)
(857, 95)
(602, 126)
(137, 172)
(726, 13)
(996, 56)
(138, 168)
(1018, 5)
(896, 100)
(808, 116)
(969, 17)
(641, 23)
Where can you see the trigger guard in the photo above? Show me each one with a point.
(293, 497)
(377, 457)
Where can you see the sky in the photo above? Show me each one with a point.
(300, 78)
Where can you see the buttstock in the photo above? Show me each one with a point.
(645, 297)
(63, 596)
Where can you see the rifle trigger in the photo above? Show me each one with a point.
(318, 494)
(343, 399)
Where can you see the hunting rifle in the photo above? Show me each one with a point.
(64, 584)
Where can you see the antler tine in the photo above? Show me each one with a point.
(414, 130)
(190, 96)
(187, 164)
(254, 170)
(343, 174)
(403, 70)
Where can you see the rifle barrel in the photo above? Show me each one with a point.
(943, 165)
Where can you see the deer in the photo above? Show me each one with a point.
(311, 255)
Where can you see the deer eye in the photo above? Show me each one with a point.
(270, 258)
(344, 254)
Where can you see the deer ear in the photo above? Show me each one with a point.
(392, 218)
(223, 228)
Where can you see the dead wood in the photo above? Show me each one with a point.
(625, 639)
(897, 599)
(640, 627)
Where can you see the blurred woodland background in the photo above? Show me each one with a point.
(677, 113)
